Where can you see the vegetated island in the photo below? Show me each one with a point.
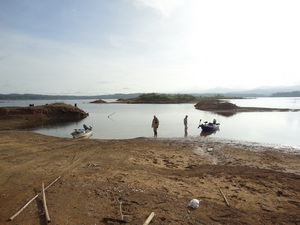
(154, 98)
(36, 116)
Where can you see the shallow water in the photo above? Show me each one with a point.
(122, 121)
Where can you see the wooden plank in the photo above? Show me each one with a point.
(148, 220)
(45, 204)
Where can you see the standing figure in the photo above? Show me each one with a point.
(155, 124)
(185, 122)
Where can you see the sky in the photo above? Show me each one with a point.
(94, 47)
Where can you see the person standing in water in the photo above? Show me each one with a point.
(185, 122)
(155, 124)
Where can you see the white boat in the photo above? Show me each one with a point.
(86, 132)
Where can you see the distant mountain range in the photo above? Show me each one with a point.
(291, 91)
(64, 97)
(258, 92)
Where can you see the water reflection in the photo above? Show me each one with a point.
(227, 114)
(207, 133)
(185, 132)
(54, 123)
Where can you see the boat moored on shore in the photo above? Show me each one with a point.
(86, 132)
(209, 126)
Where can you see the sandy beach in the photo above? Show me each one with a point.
(123, 181)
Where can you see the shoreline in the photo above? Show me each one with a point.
(194, 140)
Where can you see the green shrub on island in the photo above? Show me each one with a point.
(165, 98)
(155, 98)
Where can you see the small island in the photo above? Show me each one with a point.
(36, 116)
(99, 101)
(216, 104)
(154, 98)
(226, 108)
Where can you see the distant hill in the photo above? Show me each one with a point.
(287, 94)
(258, 92)
(63, 97)
(290, 91)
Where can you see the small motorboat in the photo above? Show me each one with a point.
(208, 126)
(86, 132)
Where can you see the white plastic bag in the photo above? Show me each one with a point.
(194, 203)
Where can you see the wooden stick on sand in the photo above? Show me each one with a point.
(17, 213)
(45, 204)
(227, 203)
(148, 220)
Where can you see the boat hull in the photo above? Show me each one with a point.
(207, 133)
(82, 133)
(209, 127)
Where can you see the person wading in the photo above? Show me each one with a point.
(155, 124)
(185, 122)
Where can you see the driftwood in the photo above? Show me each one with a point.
(227, 203)
(11, 218)
(45, 204)
(17, 213)
(148, 220)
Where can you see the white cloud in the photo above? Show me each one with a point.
(164, 7)
(192, 45)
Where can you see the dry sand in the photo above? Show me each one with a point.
(129, 179)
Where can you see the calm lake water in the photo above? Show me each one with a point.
(124, 121)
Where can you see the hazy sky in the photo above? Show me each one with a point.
(96, 47)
